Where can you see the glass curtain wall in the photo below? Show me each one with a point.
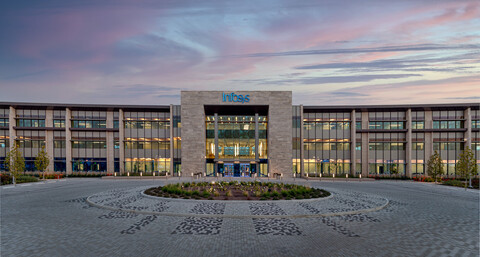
(296, 139)
(446, 141)
(177, 140)
(476, 137)
(327, 143)
(387, 150)
(236, 137)
(236, 143)
(147, 142)
(418, 143)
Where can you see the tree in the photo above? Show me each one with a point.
(466, 165)
(394, 169)
(334, 166)
(42, 161)
(15, 163)
(434, 166)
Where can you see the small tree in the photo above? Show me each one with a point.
(466, 166)
(334, 166)
(15, 163)
(434, 166)
(42, 161)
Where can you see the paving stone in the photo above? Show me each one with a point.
(54, 219)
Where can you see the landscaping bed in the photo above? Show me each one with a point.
(235, 190)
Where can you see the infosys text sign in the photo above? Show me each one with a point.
(232, 97)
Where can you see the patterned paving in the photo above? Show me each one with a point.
(56, 220)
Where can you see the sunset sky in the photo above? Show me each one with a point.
(326, 52)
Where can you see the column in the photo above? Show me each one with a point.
(302, 151)
(428, 137)
(110, 144)
(216, 142)
(365, 138)
(49, 139)
(353, 140)
(170, 170)
(121, 138)
(68, 141)
(12, 123)
(408, 147)
(468, 126)
(257, 158)
(216, 136)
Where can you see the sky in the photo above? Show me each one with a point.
(326, 52)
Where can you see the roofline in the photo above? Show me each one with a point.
(395, 106)
(83, 106)
(305, 107)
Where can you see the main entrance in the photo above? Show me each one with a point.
(236, 169)
(236, 143)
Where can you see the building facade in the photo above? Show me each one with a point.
(241, 133)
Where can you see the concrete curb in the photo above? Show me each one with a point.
(294, 216)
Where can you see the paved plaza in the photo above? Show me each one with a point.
(108, 217)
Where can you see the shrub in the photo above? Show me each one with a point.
(26, 179)
(229, 193)
(206, 194)
(5, 178)
(454, 182)
(245, 193)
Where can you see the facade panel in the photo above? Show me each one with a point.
(241, 133)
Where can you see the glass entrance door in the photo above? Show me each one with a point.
(228, 170)
(236, 170)
(245, 169)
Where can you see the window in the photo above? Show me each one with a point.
(59, 144)
(30, 123)
(358, 125)
(418, 146)
(58, 123)
(31, 143)
(147, 124)
(358, 146)
(447, 124)
(475, 123)
(386, 125)
(89, 144)
(89, 124)
(418, 125)
(3, 122)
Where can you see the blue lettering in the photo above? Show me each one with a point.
(232, 97)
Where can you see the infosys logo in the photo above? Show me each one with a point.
(232, 97)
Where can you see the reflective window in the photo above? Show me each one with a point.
(418, 124)
(386, 125)
(3, 122)
(450, 124)
(89, 124)
(33, 123)
(59, 123)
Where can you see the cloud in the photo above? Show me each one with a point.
(465, 98)
(328, 79)
(400, 48)
(394, 63)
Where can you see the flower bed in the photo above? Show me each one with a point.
(235, 190)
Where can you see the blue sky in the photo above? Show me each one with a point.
(326, 52)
